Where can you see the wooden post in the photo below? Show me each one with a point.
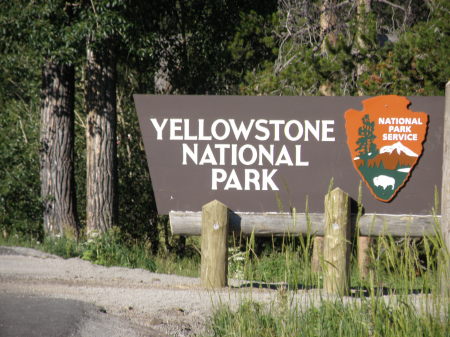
(317, 254)
(363, 246)
(214, 263)
(445, 198)
(336, 252)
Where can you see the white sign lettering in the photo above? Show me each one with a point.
(269, 144)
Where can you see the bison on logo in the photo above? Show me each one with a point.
(385, 140)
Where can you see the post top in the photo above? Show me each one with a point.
(338, 190)
(215, 202)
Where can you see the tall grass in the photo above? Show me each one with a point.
(286, 260)
(401, 296)
(111, 249)
(328, 318)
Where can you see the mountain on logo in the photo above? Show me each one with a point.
(399, 148)
(392, 157)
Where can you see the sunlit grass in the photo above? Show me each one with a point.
(400, 296)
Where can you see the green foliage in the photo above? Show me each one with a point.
(406, 264)
(417, 64)
(20, 206)
(50, 28)
(207, 46)
(109, 249)
(137, 209)
(63, 247)
(179, 265)
(299, 77)
(398, 266)
(372, 317)
(357, 64)
(252, 42)
(286, 260)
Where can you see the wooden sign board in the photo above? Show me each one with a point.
(269, 154)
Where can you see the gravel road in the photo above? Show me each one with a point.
(172, 305)
(133, 302)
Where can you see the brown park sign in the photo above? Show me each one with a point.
(269, 154)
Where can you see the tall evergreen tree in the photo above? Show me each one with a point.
(366, 146)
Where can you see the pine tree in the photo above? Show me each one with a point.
(366, 147)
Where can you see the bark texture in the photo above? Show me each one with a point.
(101, 181)
(57, 149)
(328, 34)
(362, 11)
(328, 22)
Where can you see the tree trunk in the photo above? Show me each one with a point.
(362, 11)
(57, 149)
(363, 8)
(162, 80)
(101, 153)
(328, 34)
(328, 21)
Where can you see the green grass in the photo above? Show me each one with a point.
(371, 317)
(173, 264)
(400, 297)
(397, 266)
(111, 249)
(402, 267)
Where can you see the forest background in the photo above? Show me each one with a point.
(80, 62)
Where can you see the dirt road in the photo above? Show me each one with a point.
(172, 305)
(132, 302)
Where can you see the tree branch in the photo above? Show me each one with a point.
(392, 4)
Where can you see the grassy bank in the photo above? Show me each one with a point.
(111, 249)
(369, 317)
(397, 265)
(399, 297)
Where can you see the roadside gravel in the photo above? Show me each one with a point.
(173, 305)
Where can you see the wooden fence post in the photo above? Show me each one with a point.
(363, 246)
(337, 241)
(445, 198)
(317, 254)
(214, 262)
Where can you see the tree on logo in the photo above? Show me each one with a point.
(366, 147)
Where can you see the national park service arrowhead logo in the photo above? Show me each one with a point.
(385, 140)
